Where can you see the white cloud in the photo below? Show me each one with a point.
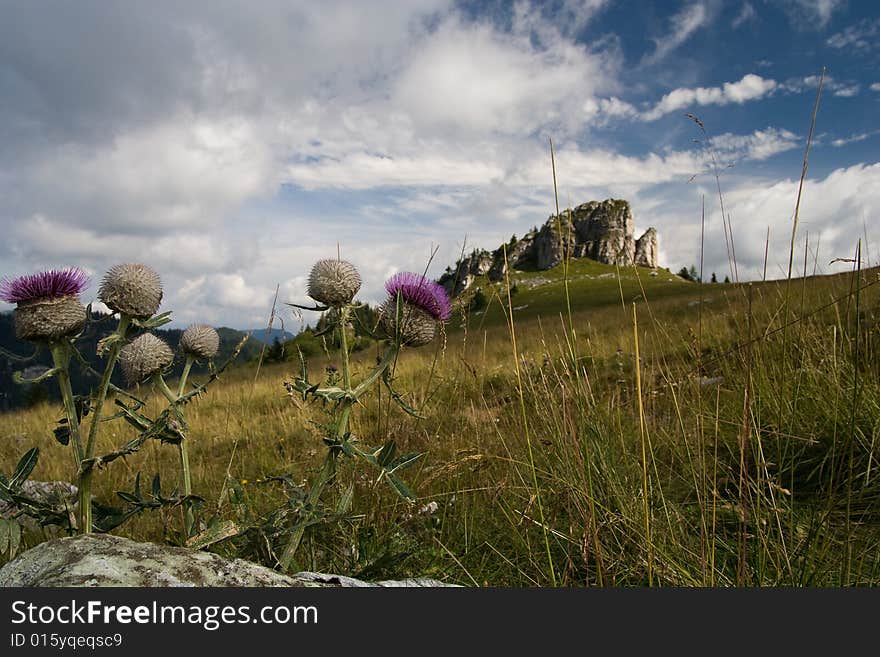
(811, 14)
(834, 211)
(470, 79)
(847, 91)
(574, 15)
(747, 14)
(830, 84)
(750, 87)
(683, 25)
(760, 145)
(875, 86)
(852, 139)
(860, 37)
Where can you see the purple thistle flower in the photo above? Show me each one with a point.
(52, 284)
(422, 293)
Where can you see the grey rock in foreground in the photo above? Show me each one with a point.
(107, 560)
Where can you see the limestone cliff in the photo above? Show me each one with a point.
(602, 231)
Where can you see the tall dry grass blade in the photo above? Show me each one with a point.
(797, 205)
(642, 433)
(525, 419)
(766, 252)
(268, 333)
(851, 436)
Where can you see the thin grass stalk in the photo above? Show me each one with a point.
(744, 456)
(645, 491)
(525, 420)
(851, 436)
(566, 257)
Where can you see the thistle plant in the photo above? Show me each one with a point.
(410, 316)
(147, 357)
(133, 290)
(48, 312)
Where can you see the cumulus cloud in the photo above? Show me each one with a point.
(875, 86)
(760, 145)
(750, 87)
(834, 211)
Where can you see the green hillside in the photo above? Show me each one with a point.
(590, 285)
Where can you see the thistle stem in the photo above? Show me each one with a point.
(183, 377)
(85, 487)
(61, 360)
(112, 356)
(189, 520)
(326, 474)
(328, 469)
(185, 472)
(346, 373)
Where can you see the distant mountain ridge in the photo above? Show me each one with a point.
(260, 334)
(600, 230)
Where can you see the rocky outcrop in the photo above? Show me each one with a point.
(646, 249)
(456, 280)
(106, 560)
(605, 231)
(602, 231)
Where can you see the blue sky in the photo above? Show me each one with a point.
(231, 144)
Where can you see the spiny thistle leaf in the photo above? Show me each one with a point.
(25, 466)
(405, 461)
(399, 487)
(386, 454)
(18, 378)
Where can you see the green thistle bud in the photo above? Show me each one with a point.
(143, 357)
(200, 341)
(334, 282)
(133, 289)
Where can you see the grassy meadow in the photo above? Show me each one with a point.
(598, 427)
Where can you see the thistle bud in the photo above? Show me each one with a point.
(333, 282)
(133, 289)
(200, 341)
(143, 357)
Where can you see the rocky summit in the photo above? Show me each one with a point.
(600, 230)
